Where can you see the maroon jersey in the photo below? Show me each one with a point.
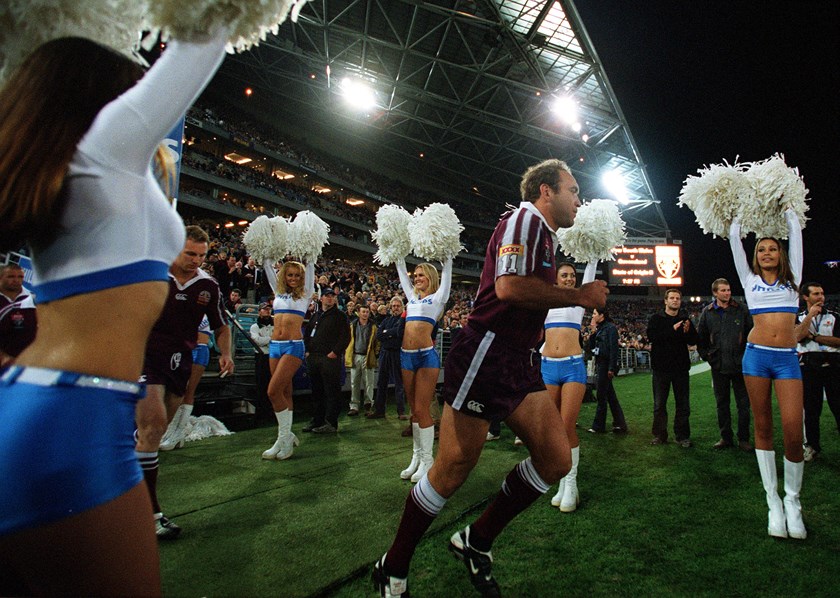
(18, 323)
(176, 329)
(521, 245)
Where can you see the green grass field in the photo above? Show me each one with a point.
(654, 521)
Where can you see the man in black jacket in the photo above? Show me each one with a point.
(670, 333)
(723, 328)
(326, 338)
(389, 333)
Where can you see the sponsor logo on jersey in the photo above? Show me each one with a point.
(180, 296)
(511, 250)
(203, 298)
(475, 406)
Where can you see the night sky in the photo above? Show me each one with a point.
(700, 82)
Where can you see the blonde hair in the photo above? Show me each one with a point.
(281, 279)
(430, 272)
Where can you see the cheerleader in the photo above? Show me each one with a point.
(564, 374)
(420, 362)
(771, 289)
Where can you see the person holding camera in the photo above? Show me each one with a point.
(670, 334)
(819, 358)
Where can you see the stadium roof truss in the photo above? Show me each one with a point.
(470, 85)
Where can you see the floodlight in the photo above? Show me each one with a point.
(614, 183)
(358, 94)
(566, 109)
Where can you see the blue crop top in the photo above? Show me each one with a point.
(118, 228)
(570, 317)
(286, 303)
(762, 297)
(430, 308)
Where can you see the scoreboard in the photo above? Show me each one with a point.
(647, 265)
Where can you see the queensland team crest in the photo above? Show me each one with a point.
(203, 298)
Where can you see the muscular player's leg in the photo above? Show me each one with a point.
(461, 440)
(195, 378)
(152, 418)
(538, 423)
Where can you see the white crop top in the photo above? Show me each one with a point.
(204, 328)
(286, 303)
(118, 228)
(762, 297)
(429, 308)
(571, 317)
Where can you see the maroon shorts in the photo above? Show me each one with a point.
(170, 369)
(486, 378)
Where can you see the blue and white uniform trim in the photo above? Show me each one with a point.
(430, 308)
(570, 317)
(87, 459)
(762, 297)
(286, 303)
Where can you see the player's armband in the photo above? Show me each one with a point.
(510, 260)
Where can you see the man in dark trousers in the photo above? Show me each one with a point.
(723, 328)
(670, 333)
(326, 338)
(389, 333)
(818, 334)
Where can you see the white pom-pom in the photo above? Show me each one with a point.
(597, 230)
(267, 238)
(26, 24)
(204, 426)
(776, 187)
(435, 233)
(249, 22)
(307, 236)
(391, 234)
(716, 196)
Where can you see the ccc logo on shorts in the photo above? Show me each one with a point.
(475, 406)
(175, 361)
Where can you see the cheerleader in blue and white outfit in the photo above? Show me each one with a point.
(81, 191)
(771, 290)
(419, 360)
(293, 289)
(564, 374)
